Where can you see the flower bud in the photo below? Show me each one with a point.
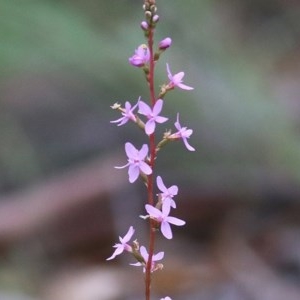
(153, 8)
(148, 14)
(144, 25)
(155, 18)
(165, 43)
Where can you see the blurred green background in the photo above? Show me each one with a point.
(63, 63)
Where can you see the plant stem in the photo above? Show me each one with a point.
(152, 162)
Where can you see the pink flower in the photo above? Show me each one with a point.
(136, 161)
(182, 133)
(127, 114)
(165, 43)
(145, 255)
(164, 219)
(176, 80)
(167, 194)
(141, 56)
(120, 247)
(152, 115)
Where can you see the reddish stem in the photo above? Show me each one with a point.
(152, 161)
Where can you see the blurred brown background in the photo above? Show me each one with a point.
(62, 203)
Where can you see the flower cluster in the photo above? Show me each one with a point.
(140, 161)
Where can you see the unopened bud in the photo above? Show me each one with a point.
(144, 25)
(155, 18)
(165, 43)
(153, 8)
(148, 14)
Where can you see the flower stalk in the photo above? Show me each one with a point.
(141, 161)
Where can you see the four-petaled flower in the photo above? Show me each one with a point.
(162, 216)
(167, 194)
(127, 114)
(155, 258)
(136, 161)
(152, 115)
(140, 57)
(182, 133)
(176, 80)
(123, 245)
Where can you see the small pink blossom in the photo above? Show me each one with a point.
(164, 219)
(167, 194)
(145, 255)
(152, 115)
(165, 43)
(127, 114)
(136, 161)
(182, 133)
(141, 56)
(176, 80)
(123, 245)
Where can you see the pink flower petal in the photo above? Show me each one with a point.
(128, 235)
(157, 107)
(185, 87)
(175, 221)
(166, 230)
(145, 168)
(133, 172)
(150, 127)
(144, 108)
(153, 211)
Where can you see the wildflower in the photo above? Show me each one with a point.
(167, 194)
(155, 258)
(136, 161)
(165, 43)
(176, 80)
(141, 56)
(182, 133)
(127, 114)
(152, 115)
(123, 245)
(164, 219)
